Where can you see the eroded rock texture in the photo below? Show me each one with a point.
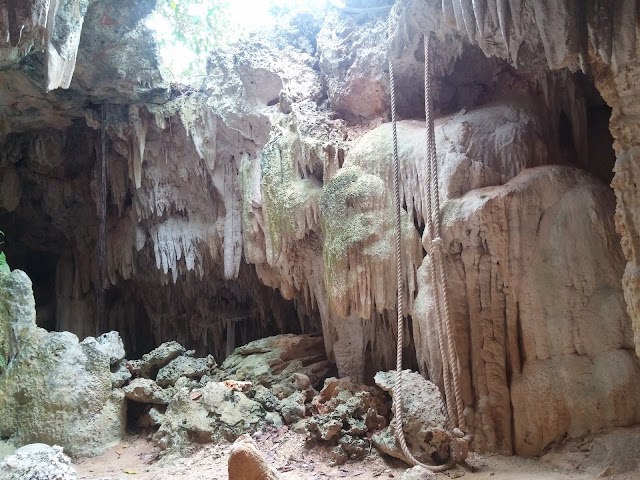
(262, 203)
(54, 390)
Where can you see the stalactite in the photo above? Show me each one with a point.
(102, 222)
(480, 12)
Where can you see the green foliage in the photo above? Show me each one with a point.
(187, 31)
(4, 267)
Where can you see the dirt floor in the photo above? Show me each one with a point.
(137, 458)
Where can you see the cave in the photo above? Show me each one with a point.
(209, 253)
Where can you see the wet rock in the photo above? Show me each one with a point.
(247, 463)
(120, 375)
(111, 344)
(37, 461)
(151, 362)
(424, 419)
(144, 390)
(184, 366)
(208, 414)
(55, 389)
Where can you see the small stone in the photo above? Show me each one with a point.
(418, 473)
(338, 456)
(292, 408)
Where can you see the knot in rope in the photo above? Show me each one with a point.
(458, 441)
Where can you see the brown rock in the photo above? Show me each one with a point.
(247, 463)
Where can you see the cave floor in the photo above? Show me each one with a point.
(137, 458)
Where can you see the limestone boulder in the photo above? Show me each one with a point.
(212, 413)
(55, 389)
(144, 390)
(247, 463)
(275, 360)
(424, 419)
(151, 362)
(184, 366)
(37, 462)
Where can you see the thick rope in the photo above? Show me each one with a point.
(455, 406)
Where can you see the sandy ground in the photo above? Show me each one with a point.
(137, 458)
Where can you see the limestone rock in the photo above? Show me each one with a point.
(184, 367)
(524, 333)
(344, 409)
(271, 360)
(111, 344)
(144, 390)
(120, 375)
(154, 360)
(247, 463)
(424, 418)
(418, 473)
(208, 414)
(353, 59)
(293, 407)
(55, 389)
(37, 462)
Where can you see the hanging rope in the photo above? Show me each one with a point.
(451, 373)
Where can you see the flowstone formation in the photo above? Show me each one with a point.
(55, 389)
(261, 204)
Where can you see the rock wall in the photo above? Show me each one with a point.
(54, 389)
(262, 203)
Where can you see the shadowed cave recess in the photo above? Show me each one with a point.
(258, 201)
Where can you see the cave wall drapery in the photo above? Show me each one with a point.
(262, 202)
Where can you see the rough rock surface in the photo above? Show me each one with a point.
(275, 359)
(55, 389)
(189, 367)
(523, 335)
(247, 463)
(346, 413)
(156, 359)
(37, 462)
(144, 390)
(424, 418)
(208, 414)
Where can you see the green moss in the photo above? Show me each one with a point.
(285, 195)
(355, 212)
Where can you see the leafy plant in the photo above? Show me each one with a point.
(186, 31)
(4, 266)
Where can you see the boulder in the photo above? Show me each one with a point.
(144, 390)
(424, 419)
(55, 389)
(184, 367)
(211, 413)
(151, 362)
(111, 344)
(247, 463)
(37, 462)
(274, 359)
